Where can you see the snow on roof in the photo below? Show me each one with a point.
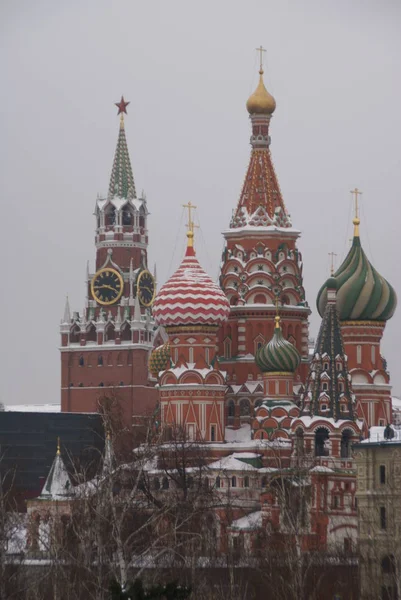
(321, 469)
(376, 434)
(243, 434)
(251, 521)
(309, 421)
(231, 463)
(45, 408)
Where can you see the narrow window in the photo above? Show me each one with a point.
(218, 482)
(213, 433)
(359, 354)
(383, 519)
(373, 354)
(335, 501)
(100, 360)
(165, 484)
(81, 361)
(326, 366)
(246, 482)
(207, 356)
(325, 387)
(382, 474)
(191, 355)
(233, 481)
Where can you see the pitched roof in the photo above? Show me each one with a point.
(122, 183)
(58, 484)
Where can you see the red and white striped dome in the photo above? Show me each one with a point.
(190, 297)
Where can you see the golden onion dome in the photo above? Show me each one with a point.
(261, 102)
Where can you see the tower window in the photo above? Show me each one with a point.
(383, 518)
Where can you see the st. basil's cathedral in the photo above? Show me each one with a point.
(228, 363)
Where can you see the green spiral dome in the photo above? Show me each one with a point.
(362, 293)
(278, 355)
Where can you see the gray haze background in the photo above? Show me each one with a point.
(187, 69)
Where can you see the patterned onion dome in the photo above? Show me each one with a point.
(190, 297)
(278, 355)
(362, 293)
(160, 359)
(261, 102)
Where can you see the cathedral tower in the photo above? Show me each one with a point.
(105, 349)
(191, 307)
(365, 302)
(260, 263)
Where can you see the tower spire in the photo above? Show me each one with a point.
(191, 225)
(356, 221)
(122, 183)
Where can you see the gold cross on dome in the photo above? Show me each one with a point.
(261, 50)
(191, 225)
(332, 255)
(356, 193)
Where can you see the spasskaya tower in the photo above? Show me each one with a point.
(105, 349)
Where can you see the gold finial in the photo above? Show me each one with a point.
(356, 221)
(58, 446)
(261, 102)
(191, 225)
(122, 121)
(277, 317)
(261, 50)
(332, 255)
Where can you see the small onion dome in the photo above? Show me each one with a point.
(190, 296)
(278, 355)
(362, 293)
(160, 359)
(261, 102)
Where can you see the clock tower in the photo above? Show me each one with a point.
(105, 349)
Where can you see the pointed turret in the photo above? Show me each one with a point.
(122, 183)
(58, 483)
(67, 311)
(328, 391)
(261, 202)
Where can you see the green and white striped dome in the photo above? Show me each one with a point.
(362, 293)
(278, 355)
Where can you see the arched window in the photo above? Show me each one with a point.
(245, 407)
(213, 433)
(101, 384)
(125, 332)
(321, 442)
(127, 217)
(233, 481)
(74, 334)
(227, 348)
(326, 366)
(100, 360)
(246, 482)
(231, 409)
(218, 482)
(81, 361)
(191, 355)
(325, 387)
(109, 333)
(346, 443)
(110, 216)
(299, 442)
(91, 333)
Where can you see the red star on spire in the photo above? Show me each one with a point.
(122, 106)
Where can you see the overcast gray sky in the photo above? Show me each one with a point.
(187, 68)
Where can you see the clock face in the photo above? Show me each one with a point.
(107, 286)
(145, 288)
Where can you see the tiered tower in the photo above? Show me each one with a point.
(104, 350)
(260, 262)
(365, 301)
(328, 420)
(191, 307)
